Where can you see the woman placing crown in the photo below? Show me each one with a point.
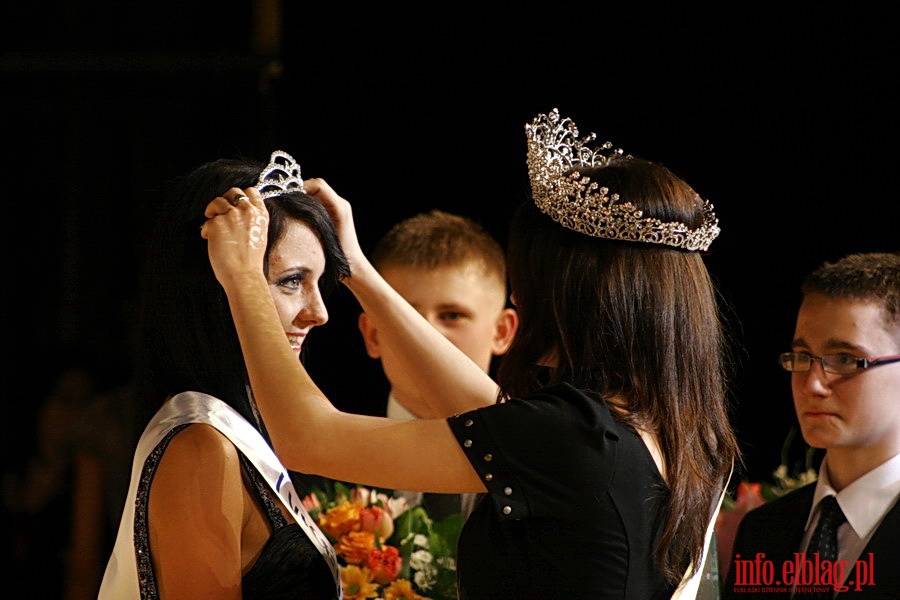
(605, 454)
(211, 512)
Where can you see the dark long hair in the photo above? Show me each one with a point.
(187, 338)
(634, 320)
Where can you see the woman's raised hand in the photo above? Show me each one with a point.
(342, 214)
(236, 229)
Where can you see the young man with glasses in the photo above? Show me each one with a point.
(845, 379)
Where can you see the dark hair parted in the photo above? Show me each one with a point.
(872, 276)
(188, 340)
(637, 322)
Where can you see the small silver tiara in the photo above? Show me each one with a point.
(576, 203)
(281, 175)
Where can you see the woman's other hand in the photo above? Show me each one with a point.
(236, 229)
(342, 214)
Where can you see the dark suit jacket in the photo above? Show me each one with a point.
(776, 529)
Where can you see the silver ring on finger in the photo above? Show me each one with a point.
(238, 198)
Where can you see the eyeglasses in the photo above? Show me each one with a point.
(838, 364)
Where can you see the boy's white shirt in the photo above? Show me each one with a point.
(395, 410)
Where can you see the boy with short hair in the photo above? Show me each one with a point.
(845, 380)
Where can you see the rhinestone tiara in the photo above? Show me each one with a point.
(576, 203)
(282, 174)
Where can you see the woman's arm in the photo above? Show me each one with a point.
(195, 517)
(443, 379)
(308, 433)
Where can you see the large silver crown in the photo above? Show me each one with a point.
(282, 174)
(572, 200)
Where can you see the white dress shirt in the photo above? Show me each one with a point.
(865, 502)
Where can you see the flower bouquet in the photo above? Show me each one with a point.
(387, 549)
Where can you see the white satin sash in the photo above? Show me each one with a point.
(120, 581)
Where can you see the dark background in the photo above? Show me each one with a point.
(783, 115)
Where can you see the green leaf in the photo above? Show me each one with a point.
(445, 535)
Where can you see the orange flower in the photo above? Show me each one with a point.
(401, 589)
(360, 523)
(340, 519)
(377, 520)
(355, 546)
(357, 583)
(384, 564)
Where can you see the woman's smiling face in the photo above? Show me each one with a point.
(296, 263)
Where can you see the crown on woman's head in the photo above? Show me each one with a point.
(282, 174)
(555, 154)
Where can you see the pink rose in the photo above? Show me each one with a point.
(377, 520)
(311, 504)
(361, 496)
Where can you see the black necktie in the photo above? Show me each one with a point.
(824, 541)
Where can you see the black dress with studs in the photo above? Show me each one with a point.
(574, 504)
